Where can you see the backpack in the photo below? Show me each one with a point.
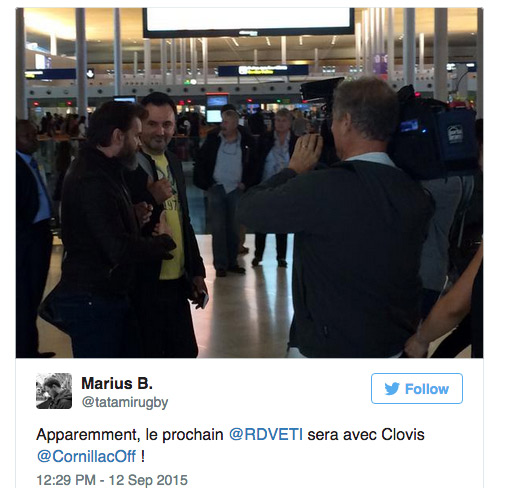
(432, 141)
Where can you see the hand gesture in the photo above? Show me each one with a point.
(199, 290)
(143, 211)
(415, 347)
(307, 152)
(161, 190)
(162, 226)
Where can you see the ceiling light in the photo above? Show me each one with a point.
(300, 41)
(235, 42)
(268, 41)
(334, 40)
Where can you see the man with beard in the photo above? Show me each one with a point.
(101, 235)
(164, 286)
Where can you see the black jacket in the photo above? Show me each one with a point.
(27, 200)
(28, 234)
(137, 184)
(359, 229)
(100, 231)
(206, 160)
(265, 143)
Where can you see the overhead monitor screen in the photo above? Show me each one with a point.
(213, 116)
(217, 100)
(131, 99)
(173, 22)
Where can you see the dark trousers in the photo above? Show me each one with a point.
(100, 326)
(456, 341)
(165, 323)
(281, 241)
(429, 298)
(224, 226)
(33, 255)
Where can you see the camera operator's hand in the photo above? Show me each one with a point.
(306, 154)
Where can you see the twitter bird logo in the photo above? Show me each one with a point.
(391, 390)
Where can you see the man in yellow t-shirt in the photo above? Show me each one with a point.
(162, 292)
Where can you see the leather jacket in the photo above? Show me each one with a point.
(100, 230)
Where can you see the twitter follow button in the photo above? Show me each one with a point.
(417, 388)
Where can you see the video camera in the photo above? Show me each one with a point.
(322, 90)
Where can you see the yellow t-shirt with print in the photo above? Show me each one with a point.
(171, 269)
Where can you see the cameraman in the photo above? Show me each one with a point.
(359, 228)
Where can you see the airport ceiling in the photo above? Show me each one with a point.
(41, 22)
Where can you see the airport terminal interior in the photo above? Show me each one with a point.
(248, 316)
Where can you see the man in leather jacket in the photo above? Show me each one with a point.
(101, 235)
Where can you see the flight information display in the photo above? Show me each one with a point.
(173, 22)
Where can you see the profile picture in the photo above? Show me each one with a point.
(53, 391)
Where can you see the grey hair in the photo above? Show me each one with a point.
(372, 105)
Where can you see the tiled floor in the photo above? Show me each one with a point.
(247, 316)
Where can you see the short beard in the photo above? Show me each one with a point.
(155, 150)
(128, 160)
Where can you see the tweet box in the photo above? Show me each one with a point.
(265, 422)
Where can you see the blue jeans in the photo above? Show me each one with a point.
(99, 326)
(224, 226)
